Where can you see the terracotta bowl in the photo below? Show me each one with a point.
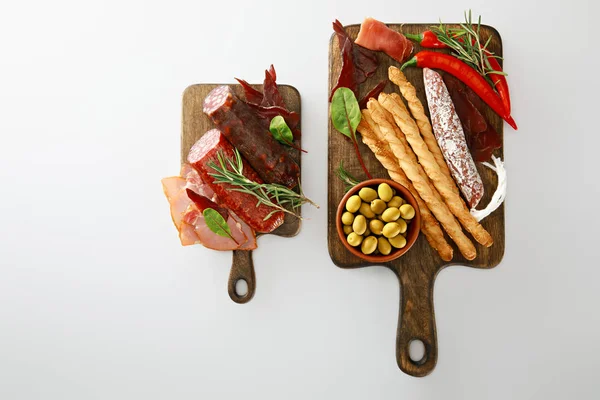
(411, 234)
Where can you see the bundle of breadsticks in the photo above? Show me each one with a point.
(404, 143)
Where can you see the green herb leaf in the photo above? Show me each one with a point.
(280, 131)
(216, 223)
(345, 112)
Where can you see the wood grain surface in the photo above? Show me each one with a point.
(417, 269)
(194, 123)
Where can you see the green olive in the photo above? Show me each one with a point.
(353, 204)
(347, 218)
(367, 194)
(378, 206)
(407, 211)
(403, 225)
(354, 239)
(391, 229)
(384, 246)
(396, 201)
(369, 245)
(376, 226)
(365, 209)
(391, 214)
(359, 226)
(385, 192)
(347, 229)
(398, 242)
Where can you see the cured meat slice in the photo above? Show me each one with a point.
(451, 138)
(192, 228)
(246, 131)
(239, 241)
(375, 35)
(358, 63)
(244, 205)
(481, 137)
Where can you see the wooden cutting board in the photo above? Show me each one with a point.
(417, 269)
(194, 123)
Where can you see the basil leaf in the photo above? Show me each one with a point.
(345, 112)
(280, 131)
(216, 223)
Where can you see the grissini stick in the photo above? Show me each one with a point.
(421, 184)
(372, 137)
(444, 186)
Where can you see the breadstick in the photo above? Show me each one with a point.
(372, 137)
(440, 181)
(438, 208)
(418, 113)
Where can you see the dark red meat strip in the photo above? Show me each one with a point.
(481, 137)
(204, 202)
(271, 95)
(372, 93)
(358, 63)
(252, 95)
(203, 153)
(240, 124)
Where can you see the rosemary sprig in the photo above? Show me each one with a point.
(279, 197)
(466, 42)
(346, 177)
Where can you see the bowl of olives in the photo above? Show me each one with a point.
(378, 220)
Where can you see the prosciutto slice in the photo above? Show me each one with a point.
(375, 35)
(187, 216)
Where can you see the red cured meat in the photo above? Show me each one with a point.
(271, 95)
(204, 202)
(373, 93)
(375, 35)
(481, 136)
(252, 95)
(243, 205)
(451, 138)
(240, 124)
(358, 63)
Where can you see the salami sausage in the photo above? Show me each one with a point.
(246, 131)
(202, 153)
(451, 138)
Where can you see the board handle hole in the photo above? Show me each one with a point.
(241, 287)
(416, 351)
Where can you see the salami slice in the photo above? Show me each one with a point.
(244, 205)
(246, 131)
(451, 138)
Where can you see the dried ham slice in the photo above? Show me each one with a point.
(375, 35)
(190, 223)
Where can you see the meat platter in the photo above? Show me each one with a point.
(237, 181)
(399, 103)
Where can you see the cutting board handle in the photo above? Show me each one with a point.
(242, 267)
(416, 320)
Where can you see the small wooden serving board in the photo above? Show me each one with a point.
(417, 269)
(194, 123)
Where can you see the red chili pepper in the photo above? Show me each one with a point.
(427, 39)
(454, 66)
(499, 82)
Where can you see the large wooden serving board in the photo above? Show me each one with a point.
(417, 269)
(194, 123)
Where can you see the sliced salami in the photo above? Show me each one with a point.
(244, 205)
(241, 125)
(451, 138)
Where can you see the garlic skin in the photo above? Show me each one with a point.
(499, 194)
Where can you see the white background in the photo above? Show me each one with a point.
(99, 301)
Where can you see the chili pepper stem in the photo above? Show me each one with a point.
(417, 37)
(410, 63)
